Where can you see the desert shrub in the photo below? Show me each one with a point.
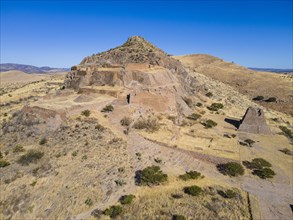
(215, 106)
(287, 132)
(190, 175)
(258, 98)
(88, 202)
(249, 142)
(125, 121)
(158, 160)
(194, 116)
(228, 194)
(31, 156)
(108, 108)
(285, 151)
(209, 123)
(1, 155)
(4, 163)
(18, 148)
(126, 199)
(151, 175)
(178, 217)
(177, 196)
(171, 118)
(271, 99)
(264, 173)
(231, 169)
(188, 101)
(113, 211)
(209, 94)
(193, 190)
(43, 141)
(260, 163)
(99, 127)
(150, 124)
(198, 104)
(86, 113)
(120, 182)
(74, 153)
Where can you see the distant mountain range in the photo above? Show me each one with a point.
(29, 68)
(272, 70)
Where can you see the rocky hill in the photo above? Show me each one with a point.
(4, 67)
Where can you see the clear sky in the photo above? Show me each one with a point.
(61, 33)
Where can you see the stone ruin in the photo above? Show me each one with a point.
(254, 122)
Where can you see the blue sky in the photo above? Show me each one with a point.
(61, 33)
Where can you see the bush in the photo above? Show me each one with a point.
(86, 113)
(194, 116)
(287, 132)
(209, 94)
(43, 141)
(190, 175)
(231, 169)
(89, 202)
(99, 127)
(151, 175)
(264, 173)
(228, 194)
(126, 199)
(125, 121)
(258, 98)
(150, 124)
(260, 163)
(215, 106)
(209, 123)
(198, 104)
(113, 211)
(193, 190)
(108, 108)
(271, 99)
(249, 142)
(4, 163)
(178, 217)
(188, 101)
(285, 151)
(30, 157)
(1, 155)
(18, 148)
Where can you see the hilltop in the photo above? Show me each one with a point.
(4, 67)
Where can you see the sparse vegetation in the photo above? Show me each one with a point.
(231, 169)
(152, 175)
(99, 127)
(287, 151)
(194, 116)
(18, 148)
(126, 199)
(4, 163)
(190, 175)
(31, 156)
(209, 94)
(178, 217)
(158, 160)
(271, 99)
(287, 132)
(188, 101)
(215, 106)
(74, 153)
(43, 141)
(149, 124)
(113, 211)
(88, 202)
(125, 121)
(260, 167)
(258, 98)
(229, 194)
(198, 104)
(264, 173)
(193, 190)
(249, 142)
(209, 123)
(86, 113)
(120, 182)
(107, 108)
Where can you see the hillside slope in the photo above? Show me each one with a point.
(246, 81)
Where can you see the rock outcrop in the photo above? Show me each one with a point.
(254, 122)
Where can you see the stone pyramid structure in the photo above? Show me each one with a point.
(254, 122)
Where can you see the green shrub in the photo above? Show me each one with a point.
(18, 148)
(74, 153)
(260, 163)
(229, 194)
(151, 175)
(215, 106)
(178, 217)
(4, 163)
(231, 169)
(287, 132)
(209, 94)
(190, 175)
(125, 121)
(126, 199)
(258, 98)
(193, 190)
(30, 157)
(209, 123)
(194, 116)
(285, 151)
(88, 202)
(264, 173)
(150, 124)
(198, 104)
(113, 211)
(271, 99)
(99, 127)
(249, 142)
(43, 141)
(120, 182)
(108, 108)
(86, 113)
